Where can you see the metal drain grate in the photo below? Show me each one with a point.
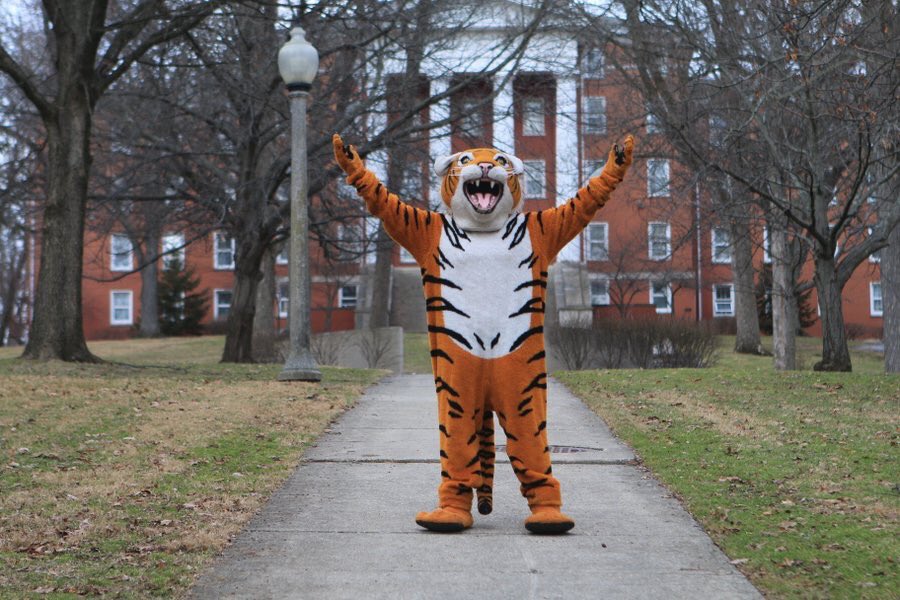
(559, 449)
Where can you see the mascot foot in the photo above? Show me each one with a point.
(548, 520)
(445, 520)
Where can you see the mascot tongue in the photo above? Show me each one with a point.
(482, 200)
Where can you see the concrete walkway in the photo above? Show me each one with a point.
(342, 525)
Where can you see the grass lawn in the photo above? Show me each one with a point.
(795, 475)
(125, 478)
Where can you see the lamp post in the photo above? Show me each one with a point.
(298, 62)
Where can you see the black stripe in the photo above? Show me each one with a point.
(445, 305)
(540, 428)
(378, 188)
(473, 461)
(438, 353)
(513, 459)
(532, 283)
(537, 383)
(452, 235)
(510, 436)
(472, 439)
(456, 336)
(443, 430)
(535, 484)
(525, 336)
(445, 474)
(509, 227)
(454, 415)
(440, 280)
(524, 403)
(537, 356)
(455, 406)
(529, 307)
(527, 260)
(525, 412)
(478, 339)
(495, 340)
(520, 233)
(540, 220)
(428, 217)
(548, 471)
(441, 385)
(406, 215)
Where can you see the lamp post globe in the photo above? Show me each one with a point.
(298, 63)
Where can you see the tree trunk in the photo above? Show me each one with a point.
(149, 286)
(746, 315)
(56, 330)
(379, 314)
(264, 320)
(17, 266)
(890, 294)
(835, 352)
(239, 336)
(784, 333)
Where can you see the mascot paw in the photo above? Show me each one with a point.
(347, 157)
(445, 520)
(548, 520)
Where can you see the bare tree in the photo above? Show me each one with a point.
(810, 92)
(890, 293)
(91, 44)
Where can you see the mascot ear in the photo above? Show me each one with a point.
(518, 165)
(442, 164)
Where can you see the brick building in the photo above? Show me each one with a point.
(651, 248)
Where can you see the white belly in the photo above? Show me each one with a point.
(489, 292)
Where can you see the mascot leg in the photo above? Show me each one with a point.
(487, 454)
(522, 411)
(460, 417)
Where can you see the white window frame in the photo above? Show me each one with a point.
(668, 309)
(593, 165)
(471, 112)
(596, 106)
(875, 257)
(654, 191)
(216, 303)
(219, 237)
(651, 122)
(169, 242)
(342, 298)
(532, 169)
(604, 242)
(113, 307)
(650, 239)
(721, 260)
(715, 300)
(599, 299)
(283, 301)
(120, 256)
(767, 246)
(593, 63)
(533, 116)
(371, 225)
(873, 311)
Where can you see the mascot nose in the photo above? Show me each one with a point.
(485, 168)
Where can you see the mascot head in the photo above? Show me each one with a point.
(481, 187)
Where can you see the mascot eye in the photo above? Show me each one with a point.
(501, 160)
(465, 159)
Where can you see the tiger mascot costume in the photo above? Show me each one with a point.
(484, 269)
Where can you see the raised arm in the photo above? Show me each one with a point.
(413, 228)
(557, 226)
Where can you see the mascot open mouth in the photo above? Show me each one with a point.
(483, 194)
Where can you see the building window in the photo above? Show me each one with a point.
(598, 241)
(721, 245)
(875, 257)
(718, 131)
(121, 308)
(723, 300)
(173, 249)
(652, 122)
(121, 253)
(471, 117)
(349, 243)
(661, 296)
(371, 226)
(592, 63)
(284, 298)
(535, 179)
(659, 237)
(533, 116)
(767, 246)
(222, 303)
(595, 114)
(223, 251)
(283, 256)
(876, 301)
(347, 296)
(657, 177)
(599, 292)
